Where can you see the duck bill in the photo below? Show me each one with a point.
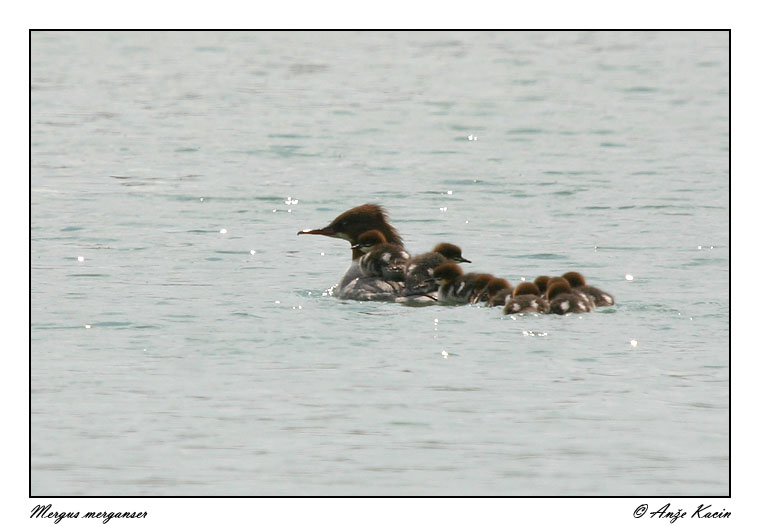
(327, 231)
(464, 260)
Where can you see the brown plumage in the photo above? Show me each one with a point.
(597, 296)
(352, 223)
(562, 299)
(497, 290)
(381, 259)
(540, 282)
(479, 283)
(420, 268)
(526, 298)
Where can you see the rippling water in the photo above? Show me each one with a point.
(182, 341)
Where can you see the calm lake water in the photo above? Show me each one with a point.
(181, 338)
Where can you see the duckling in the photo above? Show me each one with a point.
(540, 282)
(452, 286)
(479, 290)
(578, 283)
(526, 298)
(497, 290)
(562, 299)
(420, 268)
(383, 259)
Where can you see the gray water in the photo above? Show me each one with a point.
(182, 339)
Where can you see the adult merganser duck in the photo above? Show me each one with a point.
(562, 299)
(526, 298)
(578, 283)
(383, 259)
(420, 268)
(349, 226)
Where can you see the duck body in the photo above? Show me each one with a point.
(452, 284)
(497, 291)
(479, 285)
(594, 294)
(563, 300)
(526, 298)
(355, 285)
(381, 259)
(419, 269)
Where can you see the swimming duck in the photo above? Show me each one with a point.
(420, 268)
(578, 283)
(497, 289)
(526, 298)
(562, 299)
(452, 286)
(383, 259)
(349, 226)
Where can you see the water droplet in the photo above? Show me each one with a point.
(699, 247)
(222, 231)
(321, 254)
(201, 199)
(87, 326)
(80, 258)
(634, 343)
(276, 301)
(445, 354)
(449, 192)
(253, 251)
(629, 277)
(443, 209)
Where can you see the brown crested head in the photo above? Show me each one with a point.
(446, 273)
(557, 288)
(526, 288)
(369, 239)
(352, 223)
(481, 280)
(574, 279)
(556, 279)
(450, 252)
(540, 282)
(495, 285)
